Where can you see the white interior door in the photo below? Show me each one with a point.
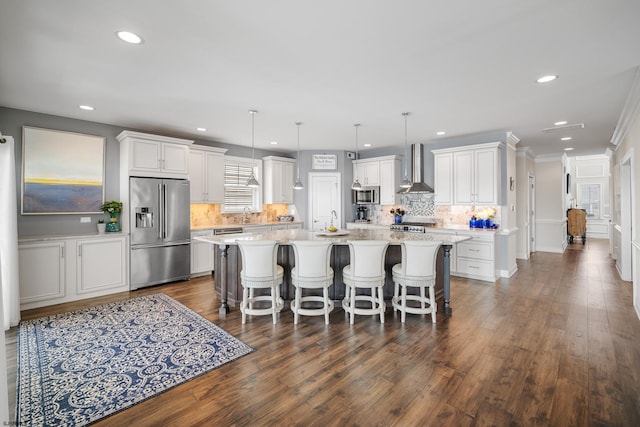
(324, 199)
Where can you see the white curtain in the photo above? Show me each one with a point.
(9, 232)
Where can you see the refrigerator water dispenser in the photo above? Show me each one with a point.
(144, 218)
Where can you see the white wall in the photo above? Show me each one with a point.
(525, 167)
(551, 219)
(629, 148)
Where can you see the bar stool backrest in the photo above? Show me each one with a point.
(367, 258)
(312, 258)
(259, 259)
(419, 258)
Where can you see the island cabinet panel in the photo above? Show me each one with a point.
(286, 258)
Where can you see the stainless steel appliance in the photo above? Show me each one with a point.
(366, 196)
(160, 231)
(417, 172)
(414, 225)
(362, 214)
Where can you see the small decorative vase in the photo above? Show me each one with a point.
(113, 224)
(398, 219)
(101, 227)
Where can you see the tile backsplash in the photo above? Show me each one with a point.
(204, 215)
(423, 205)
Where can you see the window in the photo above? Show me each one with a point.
(237, 196)
(590, 199)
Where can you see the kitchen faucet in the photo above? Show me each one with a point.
(245, 211)
(333, 215)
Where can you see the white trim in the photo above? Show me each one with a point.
(629, 112)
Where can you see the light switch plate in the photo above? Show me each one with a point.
(85, 219)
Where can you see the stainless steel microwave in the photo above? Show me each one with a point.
(366, 196)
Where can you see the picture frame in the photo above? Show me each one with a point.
(62, 172)
(324, 161)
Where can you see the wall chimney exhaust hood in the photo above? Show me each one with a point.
(417, 172)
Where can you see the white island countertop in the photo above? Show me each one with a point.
(340, 238)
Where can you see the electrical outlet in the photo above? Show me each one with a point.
(85, 219)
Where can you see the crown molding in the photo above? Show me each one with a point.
(629, 112)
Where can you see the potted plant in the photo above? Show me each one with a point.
(101, 226)
(113, 208)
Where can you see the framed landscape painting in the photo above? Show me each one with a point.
(62, 172)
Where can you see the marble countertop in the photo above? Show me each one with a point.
(253, 224)
(339, 238)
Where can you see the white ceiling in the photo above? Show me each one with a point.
(461, 66)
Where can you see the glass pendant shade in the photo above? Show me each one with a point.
(356, 184)
(406, 182)
(252, 182)
(298, 185)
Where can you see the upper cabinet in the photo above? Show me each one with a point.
(143, 154)
(390, 169)
(468, 175)
(367, 171)
(443, 178)
(383, 172)
(278, 179)
(206, 174)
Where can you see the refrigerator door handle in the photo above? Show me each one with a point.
(160, 213)
(162, 245)
(164, 211)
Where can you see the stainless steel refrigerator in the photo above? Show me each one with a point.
(160, 231)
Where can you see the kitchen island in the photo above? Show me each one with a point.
(228, 261)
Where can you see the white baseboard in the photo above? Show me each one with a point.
(552, 249)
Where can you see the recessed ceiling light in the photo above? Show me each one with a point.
(441, 132)
(366, 145)
(546, 79)
(560, 123)
(565, 138)
(568, 149)
(274, 142)
(129, 37)
(201, 129)
(86, 107)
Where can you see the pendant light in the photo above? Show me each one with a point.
(406, 182)
(298, 185)
(356, 184)
(252, 182)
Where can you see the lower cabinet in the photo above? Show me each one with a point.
(62, 270)
(201, 254)
(475, 258)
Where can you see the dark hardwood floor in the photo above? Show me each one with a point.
(557, 344)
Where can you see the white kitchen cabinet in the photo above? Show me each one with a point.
(389, 181)
(443, 178)
(42, 271)
(101, 265)
(143, 154)
(468, 175)
(278, 179)
(201, 254)
(367, 171)
(53, 271)
(475, 258)
(206, 174)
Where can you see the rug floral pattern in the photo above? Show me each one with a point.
(76, 368)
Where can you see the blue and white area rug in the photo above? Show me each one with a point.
(79, 367)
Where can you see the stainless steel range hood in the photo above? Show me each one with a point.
(417, 172)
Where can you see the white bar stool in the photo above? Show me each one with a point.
(418, 270)
(366, 270)
(312, 271)
(260, 271)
